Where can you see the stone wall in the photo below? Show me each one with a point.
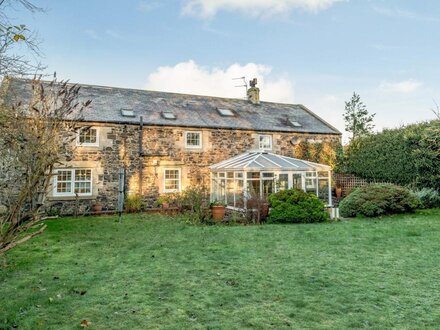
(164, 147)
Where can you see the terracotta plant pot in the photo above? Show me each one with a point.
(264, 211)
(97, 207)
(218, 212)
(165, 205)
(338, 192)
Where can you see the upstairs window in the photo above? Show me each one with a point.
(69, 182)
(193, 140)
(265, 142)
(88, 137)
(171, 180)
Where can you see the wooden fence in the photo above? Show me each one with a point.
(348, 182)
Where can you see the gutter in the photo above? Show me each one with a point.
(337, 132)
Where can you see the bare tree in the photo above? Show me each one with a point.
(34, 138)
(436, 110)
(19, 50)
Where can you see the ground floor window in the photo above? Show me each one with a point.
(72, 182)
(171, 180)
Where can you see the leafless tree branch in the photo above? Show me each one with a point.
(33, 139)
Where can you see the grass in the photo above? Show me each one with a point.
(155, 272)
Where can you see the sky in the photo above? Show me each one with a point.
(313, 52)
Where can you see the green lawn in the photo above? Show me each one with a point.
(155, 272)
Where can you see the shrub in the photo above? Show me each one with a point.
(257, 209)
(296, 206)
(429, 198)
(194, 203)
(378, 199)
(408, 155)
(164, 199)
(133, 203)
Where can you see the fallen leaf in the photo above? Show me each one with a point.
(85, 323)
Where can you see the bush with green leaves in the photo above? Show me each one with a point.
(296, 206)
(194, 202)
(133, 203)
(378, 199)
(408, 155)
(429, 198)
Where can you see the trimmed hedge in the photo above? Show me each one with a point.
(406, 156)
(378, 199)
(296, 206)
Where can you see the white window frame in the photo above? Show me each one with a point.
(260, 142)
(191, 146)
(72, 183)
(179, 181)
(87, 144)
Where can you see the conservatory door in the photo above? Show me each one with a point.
(298, 181)
(268, 183)
(283, 181)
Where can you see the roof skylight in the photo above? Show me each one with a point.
(293, 122)
(168, 115)
(225, 112)
(127, 113)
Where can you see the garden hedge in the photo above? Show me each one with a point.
(406, 156)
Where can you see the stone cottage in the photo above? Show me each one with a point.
(166, 142)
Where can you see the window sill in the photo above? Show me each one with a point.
(70, 198)
(87, 146)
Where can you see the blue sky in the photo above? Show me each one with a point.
(315, 52)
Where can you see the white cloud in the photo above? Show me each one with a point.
(406, 14)
(405, 86)
(146, 6)
(209, 8)
(114, 34)
(92, 34)
(189, 77)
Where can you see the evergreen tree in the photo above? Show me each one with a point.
(358, 120)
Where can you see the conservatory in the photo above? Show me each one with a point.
(262, 173)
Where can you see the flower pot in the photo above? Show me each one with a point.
(338, 191)
(218, 212)
(165, 205)
(264, 211)
(97, 207)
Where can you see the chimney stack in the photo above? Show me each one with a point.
(253, 93)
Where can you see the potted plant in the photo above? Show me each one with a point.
(164, 201)
(218, 210)
(264, 210)
(97, 207)
(338, 190)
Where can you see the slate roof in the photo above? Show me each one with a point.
(190, 110)
(266, 161)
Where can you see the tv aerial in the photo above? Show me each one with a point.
(245, 85)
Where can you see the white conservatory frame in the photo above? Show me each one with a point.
(233, 180)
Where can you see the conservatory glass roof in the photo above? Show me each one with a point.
(266, 161)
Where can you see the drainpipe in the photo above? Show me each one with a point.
(141, 131)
